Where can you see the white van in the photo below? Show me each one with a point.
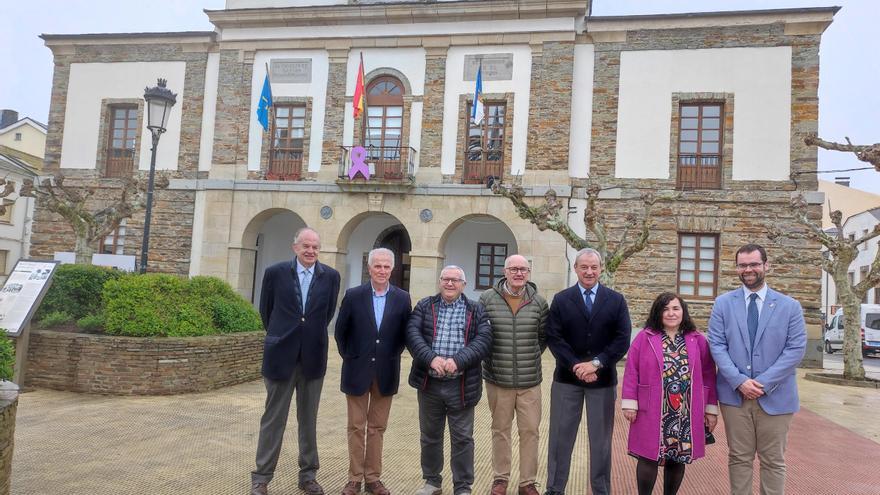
(869, 323)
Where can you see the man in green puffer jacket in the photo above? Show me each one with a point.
(513, 372)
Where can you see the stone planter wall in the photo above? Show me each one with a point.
(8, 404)
(102, 364)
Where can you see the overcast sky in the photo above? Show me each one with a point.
(849, 90)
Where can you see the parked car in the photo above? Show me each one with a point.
(869, 323)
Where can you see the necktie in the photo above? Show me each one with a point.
(752, 319)
(305, 280)
(588, 302)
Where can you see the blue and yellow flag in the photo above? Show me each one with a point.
(265, 103)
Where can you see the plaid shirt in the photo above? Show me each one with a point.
(450, 329)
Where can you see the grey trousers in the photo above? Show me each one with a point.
(274, 421)
(441, 401)
(566, 409)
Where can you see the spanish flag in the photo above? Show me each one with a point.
(359, 101)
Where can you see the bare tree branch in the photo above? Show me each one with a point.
(866, 153)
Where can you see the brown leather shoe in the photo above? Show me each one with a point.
(311, 487)
(499, 487)
(377, 488)
(529, 490)
(352, 488)
(259, 489)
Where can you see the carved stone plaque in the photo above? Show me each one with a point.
(291, 70)
(496, 66)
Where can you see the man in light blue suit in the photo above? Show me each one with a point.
(757, 338)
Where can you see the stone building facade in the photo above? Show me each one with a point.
(709, 108)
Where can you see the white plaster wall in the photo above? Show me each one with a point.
(408, 61)
(560, 24)
(92, 82)
(15, 236)
(317, 90)
(461, 247)
(209, 111)
(276, 241)
(361, 241)
(33, 140)
(759, 78)
(456, 85)
(198, 234)
(581, 112)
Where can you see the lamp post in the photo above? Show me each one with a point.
(159, 102)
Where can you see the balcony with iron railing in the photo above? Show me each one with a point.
(388, 166)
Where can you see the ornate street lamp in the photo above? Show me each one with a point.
(159, 102)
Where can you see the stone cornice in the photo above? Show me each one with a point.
(396, 13)
(796, 21)
(204, 40)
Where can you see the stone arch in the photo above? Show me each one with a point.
(365, 231)
(460, 244)
(267, 239)
(388, 71)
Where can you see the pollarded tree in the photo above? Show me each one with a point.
(552, 214)
(74, 205)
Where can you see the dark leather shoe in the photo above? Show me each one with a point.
(499, 487)
(311, 487)
(377, 488)
(259, 489)
(352, 488)
(529, 490)
(551, 492)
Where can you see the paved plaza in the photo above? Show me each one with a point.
(70, 444)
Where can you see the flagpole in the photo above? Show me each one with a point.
(271, 107)
(362, 76)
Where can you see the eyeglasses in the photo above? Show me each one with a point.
(451, 280)
(753, 266)
(518, 269)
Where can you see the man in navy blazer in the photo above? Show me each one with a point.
(371, 335)
(757, 337)
(588, 331)
(297, 302)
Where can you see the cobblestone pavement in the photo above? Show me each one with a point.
(73, 444)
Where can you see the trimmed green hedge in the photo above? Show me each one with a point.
(7, 358)
(75, 291)
(161, 305)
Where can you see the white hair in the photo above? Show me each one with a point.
(454, 267)
(380, 250)
(586, 251)
(300, 232)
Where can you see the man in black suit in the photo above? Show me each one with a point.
(297, 302)
(371, 335)
(588, 331)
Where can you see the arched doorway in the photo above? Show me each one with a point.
(397, 240)
(271, 235)
(383, 129)
(479, 244)
(370, 230)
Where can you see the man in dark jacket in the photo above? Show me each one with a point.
(588, 332)
(297, 303)
(513, 372)
(448, 336)
(370, 335)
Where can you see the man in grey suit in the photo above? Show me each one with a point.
(757, 338)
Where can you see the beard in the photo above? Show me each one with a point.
(757, 283)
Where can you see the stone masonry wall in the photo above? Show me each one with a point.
(102, 364)
(550, 106)
(8, 406)
(171, 228)
(432, 112)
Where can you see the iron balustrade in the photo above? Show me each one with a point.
(390, 163)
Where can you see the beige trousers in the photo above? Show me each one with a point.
(367, 420)
(750, 430)
(526, 404)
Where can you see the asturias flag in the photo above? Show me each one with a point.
(358, 101)
(477, 110)
(265, 103)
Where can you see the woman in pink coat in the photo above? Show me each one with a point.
(668, 395)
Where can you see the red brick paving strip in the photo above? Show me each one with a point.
(823, 458)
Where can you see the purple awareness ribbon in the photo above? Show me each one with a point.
(358, 165)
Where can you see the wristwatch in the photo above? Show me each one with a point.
(595, 362)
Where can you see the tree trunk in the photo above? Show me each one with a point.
(84, 251)
(853, 367)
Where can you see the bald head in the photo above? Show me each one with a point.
(516, 271)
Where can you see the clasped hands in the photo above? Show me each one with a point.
(751, 389)
(585, 372)
(443, 366)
